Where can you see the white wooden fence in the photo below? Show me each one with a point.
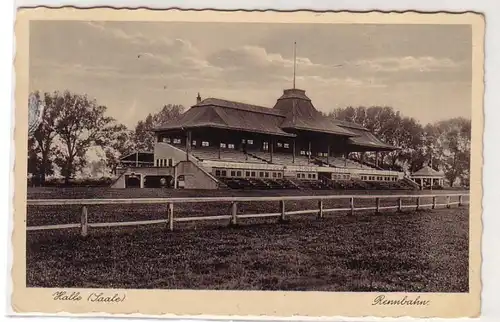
(233, 216)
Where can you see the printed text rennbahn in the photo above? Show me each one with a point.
(405, 301)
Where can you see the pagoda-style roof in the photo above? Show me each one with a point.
(427, 171)
(292, 112)
(301, 114)
(223, 114)
(365, 139)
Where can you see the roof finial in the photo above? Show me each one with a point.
(198, 99)
(294, 61)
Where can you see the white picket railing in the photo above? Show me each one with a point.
(233, 216)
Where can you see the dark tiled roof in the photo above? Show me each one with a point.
(301, 115)
(428, 171)
(238, 106)
(349, 125)
(367, 139)
(228, 118)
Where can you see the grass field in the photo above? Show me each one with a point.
(425, 251)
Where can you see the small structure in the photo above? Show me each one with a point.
(428, 177)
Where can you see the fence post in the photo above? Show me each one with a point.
(282, 208)
(460, 201)
(170, 212)
(377, 205)
(351, 203)
(400, 204)
(320, 209)
(447, 201)
(434, 202)
(418, 203)
(84, 222)
(234, 212)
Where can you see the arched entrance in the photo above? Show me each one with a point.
(132, 181)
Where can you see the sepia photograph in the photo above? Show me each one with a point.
(216, 155)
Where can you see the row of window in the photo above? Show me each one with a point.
(164, 162)
(341, 176)
(379, 178)
(247, 174)
(306, 175)
(265, 145)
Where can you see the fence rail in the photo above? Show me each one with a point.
(233, 216)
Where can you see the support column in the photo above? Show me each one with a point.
(136, 159)
(293, 151)
(141, 180)
(219, 147)
(328, 154)
(188, 144)
(175, 177)
(376, 158)
(309, 153)
(271, 149)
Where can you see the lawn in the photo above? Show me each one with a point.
(425, 251)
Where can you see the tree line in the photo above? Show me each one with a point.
(72, 124)
(443, 145)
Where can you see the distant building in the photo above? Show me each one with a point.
(427, 177)
(219, 143)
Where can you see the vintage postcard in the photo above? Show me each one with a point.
(174, 162)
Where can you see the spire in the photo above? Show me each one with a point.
(198, 99)
(294, 61)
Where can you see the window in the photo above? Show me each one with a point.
(230, 146)
(286, 145)
(303, 175)
(314, 175)
(267, 174)
(217, 173)
(238, 173)
(223, 145)
(298, 175)
(274, 174)
(166, 140)
(265, 146)
(177, 141)
(243, 141)
(170, 162)
(233, 173)
(279, 174)
(193, 143)
(279, 145)
(205, 143)
(309, 176)
(253, 173)
(223, 173)
(249, 142)
(302, 152)
(261, 174)
(247, 174)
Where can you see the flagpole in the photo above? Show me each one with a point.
(294, 61)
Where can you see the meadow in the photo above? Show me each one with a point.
(420, 251)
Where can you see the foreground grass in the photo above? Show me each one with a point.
(424, 251)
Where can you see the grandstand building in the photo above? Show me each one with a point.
(225, 144)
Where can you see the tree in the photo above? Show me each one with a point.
(144, 138)
(119, 143)
(80, 124)
(450, 148)
(41, 145)
(392, 128)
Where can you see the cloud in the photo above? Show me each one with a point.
(408, 63)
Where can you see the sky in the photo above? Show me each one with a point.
(134, 68)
